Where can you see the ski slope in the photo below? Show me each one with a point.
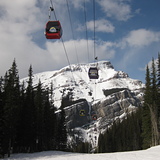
(149, 154)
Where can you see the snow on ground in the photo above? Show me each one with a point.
(149, 154)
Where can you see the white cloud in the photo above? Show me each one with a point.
(149, 65)
(140, 38)
(135, 45)
(118, 9)
(78, 48)
(22, 25)
(18, 23)
(101, 25)
(77, 3)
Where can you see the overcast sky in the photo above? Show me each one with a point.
(127, 33)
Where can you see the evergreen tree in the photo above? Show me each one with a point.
(158, 86)
(2, 120)
(50, 121)
(154, 90)
(39, 123)
(102, 143)
(11, 106)
(122, 135)
(82, 147)
(28, 117)
(154, 106)
(61, 136)
(146, 116)
(62, 131)
(158, 71)
(21, 124)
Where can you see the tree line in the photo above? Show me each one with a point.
(140, 129)
(151, 108)
(122, 135)
(28, 122)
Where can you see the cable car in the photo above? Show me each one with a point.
(53, 30)
(93, 73)
(94, 115)
(82, 112)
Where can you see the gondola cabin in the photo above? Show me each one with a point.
(93, 73)
(82, 112)
(94, 117)
(53, 30)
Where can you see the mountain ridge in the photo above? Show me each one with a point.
(102, 101)
(76, 78)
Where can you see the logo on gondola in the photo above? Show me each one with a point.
(52, 29)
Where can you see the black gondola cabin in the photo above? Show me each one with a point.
(93, 73)
(82, 112)
(53, 30)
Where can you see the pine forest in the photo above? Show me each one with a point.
(29, 121)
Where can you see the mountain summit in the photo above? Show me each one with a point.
(91, 105)
(75, 78)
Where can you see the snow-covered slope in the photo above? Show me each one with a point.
(149, 154)
(75, 78)
(111, 96)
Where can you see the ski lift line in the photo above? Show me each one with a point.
(67, 58)
(68, 61)
(85, 18)
(52, 9)
(94, 24)
(51, 3)
(95, 57)
(72, 30)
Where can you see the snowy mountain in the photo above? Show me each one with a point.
(75, 78)
(91, 105)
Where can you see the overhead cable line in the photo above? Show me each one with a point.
(94, 37)
(73, 39)
(67, 57)
(72, 30)
(52, 9)
(85, 18)
(94, 25)
(66, 54)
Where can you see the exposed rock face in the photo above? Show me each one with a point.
(111, 96)
(117, 104)
(113, 106)
(78, 115)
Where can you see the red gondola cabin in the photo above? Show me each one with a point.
(53, 30)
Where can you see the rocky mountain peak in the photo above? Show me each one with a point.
(113, 95)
